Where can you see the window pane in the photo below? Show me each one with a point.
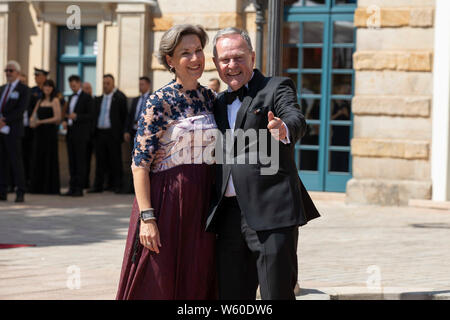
(291, 32)
(312, 32)
(342, 84)
(342, 58)
(89, 75)
(312, 58)
(311, 138)
(308, 160)
(311, 83)
(290, 57)
(69, 41)
(340, 136)
(315, 2)
(310, 108)
(339, 161)
(343, 32)
(89, 41)
(66, 71)
(340, 110)
(345, 2)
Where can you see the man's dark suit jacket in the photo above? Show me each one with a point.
(14, 108)
(130, 118)
(117, 113)
(267, 201)
(80, 129)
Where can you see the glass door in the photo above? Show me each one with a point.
(317, 56)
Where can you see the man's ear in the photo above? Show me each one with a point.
(253, 58)
(216, 63)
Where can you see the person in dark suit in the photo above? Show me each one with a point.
(14, 99)
(256, 216)
(137, 105)
(79, 115)
(110, 117)
(87, 88)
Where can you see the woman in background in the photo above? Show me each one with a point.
(45, 120)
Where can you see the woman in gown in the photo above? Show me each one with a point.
(170, 256)
(45, 119)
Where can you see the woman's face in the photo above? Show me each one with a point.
(47, 90)
(188, 58)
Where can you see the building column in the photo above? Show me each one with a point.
(4, 23)
(440, 147)
(260, 21)
(132, 22)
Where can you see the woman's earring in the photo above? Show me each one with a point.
(172, 69)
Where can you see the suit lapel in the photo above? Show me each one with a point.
(222, 114)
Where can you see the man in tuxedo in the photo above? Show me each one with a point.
(137, 105)
(14, 99)
(110, 117)
(80, 113)
(256, 216)
(87, 88)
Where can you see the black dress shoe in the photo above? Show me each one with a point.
(3, 197)
(20, 197)
(78, 193)
(95, 190)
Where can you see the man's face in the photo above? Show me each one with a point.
(75, 86)
(108, 85)
(87, 88)
(144, 86)
(40, 79)
(11, 73)
(234, 60)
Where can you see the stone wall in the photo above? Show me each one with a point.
(392, 102)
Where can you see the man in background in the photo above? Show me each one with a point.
(14, 99)
(110, 116)
(137, 105)
(214, 85)
(87, 88)
(80, 113)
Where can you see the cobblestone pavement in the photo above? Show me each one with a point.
(349, 249)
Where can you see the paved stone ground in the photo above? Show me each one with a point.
(406, 249)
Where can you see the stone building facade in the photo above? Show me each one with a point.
(397, 88)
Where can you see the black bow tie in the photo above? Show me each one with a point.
(231, 96)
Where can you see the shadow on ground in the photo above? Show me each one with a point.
(54, 221)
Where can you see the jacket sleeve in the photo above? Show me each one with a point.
(16, 114)
(286, 107)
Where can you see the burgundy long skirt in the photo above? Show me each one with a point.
(185, 265)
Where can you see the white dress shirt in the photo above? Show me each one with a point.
(107, 123)
(73, 103)
(232, 110)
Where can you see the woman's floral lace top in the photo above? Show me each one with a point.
(176, 127)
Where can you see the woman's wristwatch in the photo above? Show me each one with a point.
(147, 214)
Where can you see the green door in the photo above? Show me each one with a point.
(318, 44)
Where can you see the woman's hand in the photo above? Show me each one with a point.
(149, 235)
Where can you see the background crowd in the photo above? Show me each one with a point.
(32, 119)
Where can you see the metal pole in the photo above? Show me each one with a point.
(260, 6)
(275, 29)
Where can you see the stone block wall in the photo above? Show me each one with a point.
(391, 143)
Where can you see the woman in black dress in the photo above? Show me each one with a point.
(45, 119)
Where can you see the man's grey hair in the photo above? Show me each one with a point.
(228, 31)
(14, 63)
